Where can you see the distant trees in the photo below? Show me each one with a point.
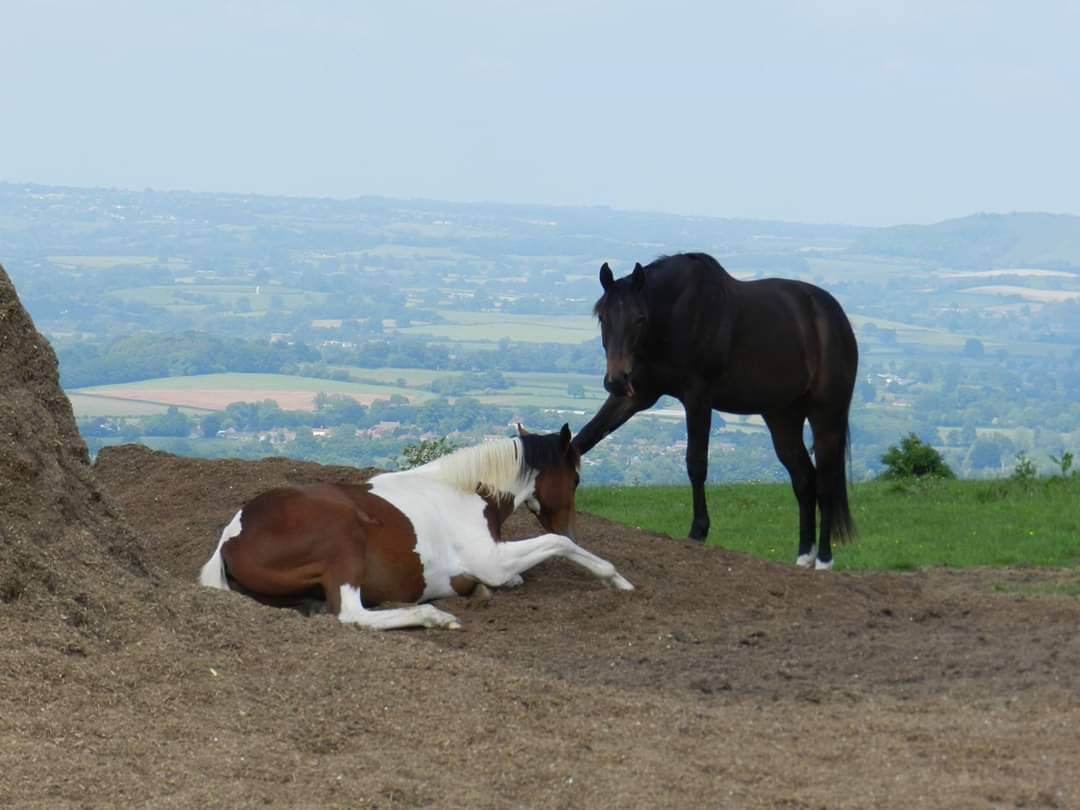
(470, 381)
(171, 423)
(146, 356)
(973, 348)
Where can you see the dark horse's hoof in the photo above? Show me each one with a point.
(697, 536)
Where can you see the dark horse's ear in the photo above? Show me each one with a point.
(564, 437)
(639, 275)
(521, 430)
(606, 279)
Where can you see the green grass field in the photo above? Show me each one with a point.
(531, 389)
(491, 326)
(96, 405)
(260, 297)
(901, 526)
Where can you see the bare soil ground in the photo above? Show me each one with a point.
(723, 681)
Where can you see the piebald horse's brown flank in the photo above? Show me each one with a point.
(411, 536)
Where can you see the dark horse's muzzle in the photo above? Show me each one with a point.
(618, 385)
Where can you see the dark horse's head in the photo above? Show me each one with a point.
(624, 324)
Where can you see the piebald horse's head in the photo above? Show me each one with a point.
(556, 461)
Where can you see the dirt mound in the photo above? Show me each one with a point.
(182, 504)
(65, 551)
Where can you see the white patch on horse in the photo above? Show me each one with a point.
(823, 566)
(449, 525)
(452, 534)
(354, 612)
(807, 560)
(212, 574)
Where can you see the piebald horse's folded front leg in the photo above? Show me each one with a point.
(510, 559)
(353, 612)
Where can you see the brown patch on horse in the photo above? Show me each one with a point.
(464, 585)
(497, 508)
(328, 535)
(393, 570)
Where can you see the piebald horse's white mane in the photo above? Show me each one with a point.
(496, 467)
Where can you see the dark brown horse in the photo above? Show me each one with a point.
(682, 326)
(411, 536)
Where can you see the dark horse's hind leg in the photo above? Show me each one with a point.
(698, 421)
(829, 442)
(787, 437)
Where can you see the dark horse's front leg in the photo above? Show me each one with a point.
(612, 415)
(698, 424)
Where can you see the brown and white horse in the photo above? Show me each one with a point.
(412, 536)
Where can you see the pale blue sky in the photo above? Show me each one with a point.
(831, 111)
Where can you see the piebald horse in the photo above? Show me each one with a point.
(411, 536)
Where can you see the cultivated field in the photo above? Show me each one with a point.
(215, 391)
(491, 326)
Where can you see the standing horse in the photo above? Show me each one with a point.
(411, 536)
(684, 327)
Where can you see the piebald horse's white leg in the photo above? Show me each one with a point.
(509, 559)
(354, 612)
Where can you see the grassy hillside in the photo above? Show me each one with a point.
(981, 241)
(901, 526)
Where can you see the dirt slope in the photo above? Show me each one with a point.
(722, 681)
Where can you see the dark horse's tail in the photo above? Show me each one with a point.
(843, 525)
(843, 528)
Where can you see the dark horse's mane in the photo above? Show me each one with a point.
(676, 261)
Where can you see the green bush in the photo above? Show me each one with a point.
(1064, 463)
(914, 459)
(1024, 469)
(424, 451)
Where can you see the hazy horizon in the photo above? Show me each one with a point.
(811, 113)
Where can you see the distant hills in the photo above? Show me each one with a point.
(982, 241)
(39, 220)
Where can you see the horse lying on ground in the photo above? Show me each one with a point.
(412, 536)
(782, 348)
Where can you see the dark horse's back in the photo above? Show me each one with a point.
(758, 346)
